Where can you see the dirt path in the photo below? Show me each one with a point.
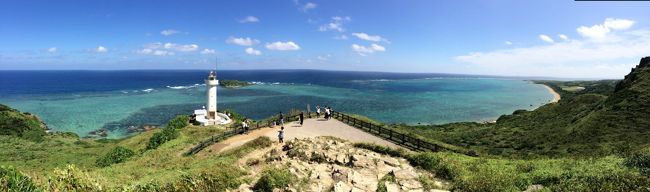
(311, 128)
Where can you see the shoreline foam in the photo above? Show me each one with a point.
(556, 96)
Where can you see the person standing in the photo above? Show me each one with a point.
(244, 125)
(327, 113)
(281, 119)
(281, 135)
(317, 111)
(302, 118)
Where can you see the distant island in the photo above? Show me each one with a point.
(229, 83)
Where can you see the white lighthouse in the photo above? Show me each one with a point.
(210, 116)
(211, 85)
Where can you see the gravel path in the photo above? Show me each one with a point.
(311, 128)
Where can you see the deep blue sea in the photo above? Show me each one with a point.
(82, 101)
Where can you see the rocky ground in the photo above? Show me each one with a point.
(331, 164)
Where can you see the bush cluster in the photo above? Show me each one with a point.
(169, 132)
(640, 161)
(13, 180)
(274, 178)
(117, 155)
(382, 149)
(13, 122)
(73, 179)
(431, 162)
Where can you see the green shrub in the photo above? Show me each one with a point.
(72, 179)
(382, 149)
(218, 181)
(430, 162)
(640, 161)
(117, 155)
(168, 133)
(274, 178)
(381, 186)
(13, 180)
(179, 122)
(159, 138)
(13, 122)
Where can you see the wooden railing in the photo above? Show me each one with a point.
(237, 130)
(401, 139)
(398, 138)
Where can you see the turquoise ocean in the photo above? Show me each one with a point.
(82, 101)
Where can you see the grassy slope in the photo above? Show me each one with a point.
(597, 121)
(40, 159)
(15, 123)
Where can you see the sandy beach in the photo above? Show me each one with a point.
(556, 96)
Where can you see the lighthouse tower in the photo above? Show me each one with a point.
(210, 116)
(211, 85)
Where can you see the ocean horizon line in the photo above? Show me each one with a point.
(324, 70)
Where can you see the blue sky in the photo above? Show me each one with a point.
(522, 38)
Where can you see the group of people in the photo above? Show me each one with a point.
(327, 111)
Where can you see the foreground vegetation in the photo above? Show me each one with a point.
(467, 173)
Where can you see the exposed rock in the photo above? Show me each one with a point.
(324, 164)
(102, 132)
(534, 188)
(342, 187)
(391, 187)
(405, 174)
(410, 184)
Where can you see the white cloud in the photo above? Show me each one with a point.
(252, 51)
(242, 41)
(576, 58)
(335, 24)
(508, 43)
(324, 58)
(594, 32)
(618, 24)
(52, 50)
(182, 48)
(341, 37)
(563, 37)
(148, 51)
(168, 32)
(164, 49)
(545, 38)
(249, 19)
(601, 31)
(208, 51)
(101, 49)
(283, 46)
(364, 36)
(309, 5)
(363, 50)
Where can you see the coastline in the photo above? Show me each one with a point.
(556, 96)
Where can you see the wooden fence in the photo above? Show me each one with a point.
(401, 139)
(237, 130)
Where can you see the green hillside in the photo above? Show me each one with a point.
(25, 125)
(601, 118)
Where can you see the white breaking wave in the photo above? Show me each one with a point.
(185, 87)
(148, 90)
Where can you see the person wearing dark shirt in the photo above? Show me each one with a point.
(302, 118)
